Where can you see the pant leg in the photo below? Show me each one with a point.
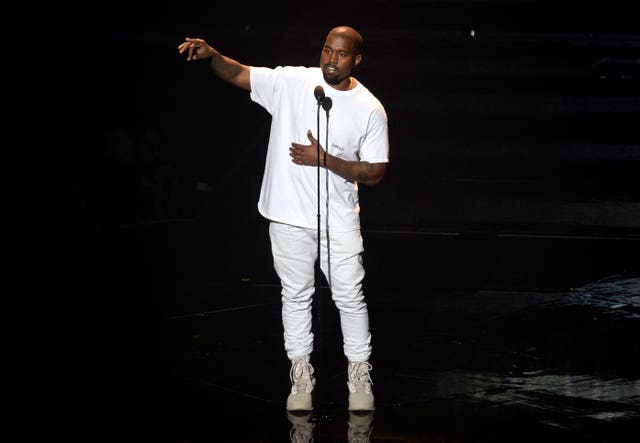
(294, 253)
(345, 272)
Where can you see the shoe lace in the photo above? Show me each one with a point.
(359, 377)
(301, 376)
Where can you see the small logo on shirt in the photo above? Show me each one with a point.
(339, 148)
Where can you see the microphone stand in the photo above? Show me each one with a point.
(327, 103)
(318, 304)
(319, 308)
(318, 270)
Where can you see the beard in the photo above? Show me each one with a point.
(332, 79)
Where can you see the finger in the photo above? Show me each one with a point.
(310, 136)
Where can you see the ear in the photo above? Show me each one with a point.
(357, 60)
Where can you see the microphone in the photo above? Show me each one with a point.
(319, 93)
(326, 104)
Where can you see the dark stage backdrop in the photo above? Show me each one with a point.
(504, 116)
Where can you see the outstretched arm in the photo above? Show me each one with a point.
(224, 67)
(355, 171)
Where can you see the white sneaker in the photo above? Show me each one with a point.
(359, 384)
(302, 384)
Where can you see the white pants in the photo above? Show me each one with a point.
(294, 255)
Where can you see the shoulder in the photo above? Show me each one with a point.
(287, 70)
(298, 71)
(371, 100)
(284, 72)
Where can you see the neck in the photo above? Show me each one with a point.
(345, 85)
(349, 83)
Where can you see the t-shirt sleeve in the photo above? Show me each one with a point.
(375, 146)
(264, 84)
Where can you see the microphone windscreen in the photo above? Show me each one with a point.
(327, 103)
(318, 92)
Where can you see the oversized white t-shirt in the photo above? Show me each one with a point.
(357, 131)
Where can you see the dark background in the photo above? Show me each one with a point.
(529, 124)
(513, 129)
(513, 125)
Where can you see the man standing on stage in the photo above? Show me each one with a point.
(357, 152)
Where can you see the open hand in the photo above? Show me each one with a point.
(306, 154)
(197, 49)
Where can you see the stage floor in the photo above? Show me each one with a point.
(477, 338)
